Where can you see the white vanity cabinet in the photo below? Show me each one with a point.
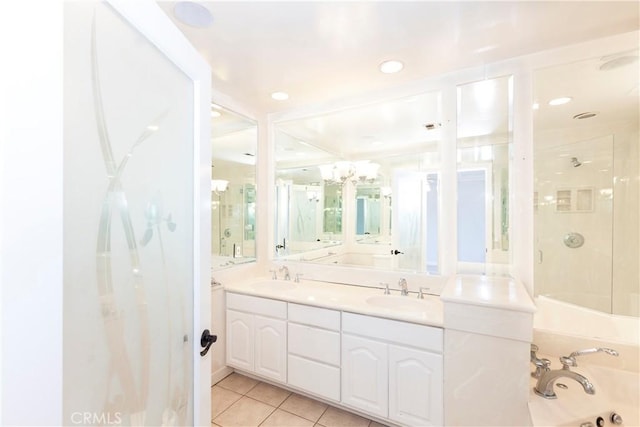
(393, 369)
(314, 350)
(257, 335)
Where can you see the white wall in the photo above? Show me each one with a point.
(31, 209)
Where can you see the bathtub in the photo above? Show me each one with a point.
(359, 259)
(561, 328)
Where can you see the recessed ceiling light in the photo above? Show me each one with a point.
(392, 66)
(280, 96)
(215, 114)
(560, 101)
(193, 14)
(535, 106)
(621, 61)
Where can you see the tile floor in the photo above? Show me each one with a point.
(240, 401)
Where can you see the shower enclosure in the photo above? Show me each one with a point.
(575, 189)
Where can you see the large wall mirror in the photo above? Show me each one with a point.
(484, 140)
(359, 187)
(586, 183)
(233, 188)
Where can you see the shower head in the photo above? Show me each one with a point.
(575, 162)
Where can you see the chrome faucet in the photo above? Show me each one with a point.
(542, 365)
(403, 287)
(287, 276)
(548, 377)
(546, 381)
(422, 291)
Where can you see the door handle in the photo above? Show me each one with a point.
(206, 339)
(396, 252)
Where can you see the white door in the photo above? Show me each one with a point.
(271, 348)
(415, 387)
(409, 219)
(240, 338)
(134, 104)
(365, 374)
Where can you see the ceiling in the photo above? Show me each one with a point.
(323, 51)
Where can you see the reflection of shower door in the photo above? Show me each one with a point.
(472, 216)
(409, 219)
(306, 213)
(574, 196)
(283, 191)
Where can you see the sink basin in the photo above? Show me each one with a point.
(274, 285)
(402, 303)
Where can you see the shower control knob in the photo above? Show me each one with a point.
(573, 240)
(616, 419)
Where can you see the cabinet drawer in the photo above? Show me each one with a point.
(314, 377)
(256, 305)
(315, 316)
(314, 343)
(411, 334)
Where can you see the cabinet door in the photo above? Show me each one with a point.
(364, 375)
(271, 348)
(240, 340)
(415, 387)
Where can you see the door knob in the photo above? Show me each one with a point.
(206, 339)
(396, 252)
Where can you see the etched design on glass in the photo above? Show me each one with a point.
(128, 380)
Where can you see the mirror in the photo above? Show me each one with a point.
(359, 186)
(586, 183)
(484, 139)
(234, 141)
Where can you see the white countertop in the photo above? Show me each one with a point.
(427, 311)
(496, 292)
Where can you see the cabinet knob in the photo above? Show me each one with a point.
(616, 419)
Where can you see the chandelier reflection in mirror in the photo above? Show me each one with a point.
(219, 185)
(343, 171)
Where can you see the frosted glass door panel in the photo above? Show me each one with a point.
(409, 219)
(128, 226)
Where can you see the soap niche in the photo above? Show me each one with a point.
(574, 200)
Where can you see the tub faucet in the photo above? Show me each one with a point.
(287, 276)
(542, 365)
(547, 379)
(403, 287)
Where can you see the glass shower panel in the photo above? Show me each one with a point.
(128, 226)
(574, 222)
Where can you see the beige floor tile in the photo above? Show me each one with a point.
(238, 383)
(375, 424)
(269, 394)
(304, 407)
(334, 417)
(246, 412)
(221, 399)
(282, 418)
